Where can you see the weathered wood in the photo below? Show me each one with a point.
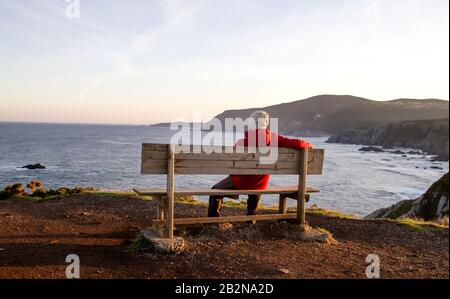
(282, 157)
(282, 208)
(234, 171)
(158, 208)
(154, 161)
(154, 147)
(162, 206)
(162, 155)
(302, 188)
(153, 166)
(225, 219)
(174, 159)
(170, 192)
(288, 190)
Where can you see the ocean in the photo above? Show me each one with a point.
(108, 157)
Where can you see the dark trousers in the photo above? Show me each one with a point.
(215, 201)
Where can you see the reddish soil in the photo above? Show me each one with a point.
(36, 237)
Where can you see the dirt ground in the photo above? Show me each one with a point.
(36, 237)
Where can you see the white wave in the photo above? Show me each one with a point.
(116, 142)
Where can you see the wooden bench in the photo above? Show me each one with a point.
(175, 159)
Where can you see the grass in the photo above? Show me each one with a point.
(111, 193)
(26, 198)
(419, 225)
(329, 213)
(140, 244)
(324, 231)
(235, 203)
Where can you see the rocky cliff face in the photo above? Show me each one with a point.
(430, 136)
(432, 205)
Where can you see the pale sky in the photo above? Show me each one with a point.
(141, 62)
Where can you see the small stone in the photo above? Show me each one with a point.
(284, 270)
(225, 226)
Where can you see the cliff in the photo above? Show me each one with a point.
(432, 205)
(325, 115)
(430, 136)
(102, 229)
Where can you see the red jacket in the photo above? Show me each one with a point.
(260, 182)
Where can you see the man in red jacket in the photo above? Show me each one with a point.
(258, 182)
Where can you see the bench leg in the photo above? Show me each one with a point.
(282, 208)
(302, 188)
(168, 217)
(161, 206)
(170, 192)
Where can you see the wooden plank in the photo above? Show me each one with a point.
(199, 192)
(286, 157)
(234, 164)
(154, 162)
(154, 147)
(151, 166)
(225, 219)
(187, 150)
(248, 167)
(170, 192)
(208, 149)
(162, 155)
(302, 188)
(236, 171)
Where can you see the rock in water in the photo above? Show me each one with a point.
(432, 205)
(430, 136)
(371, 149)
(414, 153)
(436, 167)
(398, 152)
(34, 166)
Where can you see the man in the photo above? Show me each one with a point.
(258, 182)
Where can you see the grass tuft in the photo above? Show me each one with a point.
(314, 210)
(140, 244)
(419, 224)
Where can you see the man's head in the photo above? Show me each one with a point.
(258, 120)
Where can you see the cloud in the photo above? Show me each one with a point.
(143, 42)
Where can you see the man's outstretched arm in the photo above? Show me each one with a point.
(292, 143)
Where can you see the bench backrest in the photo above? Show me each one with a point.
(226, 160)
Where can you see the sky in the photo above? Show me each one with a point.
(145, 61)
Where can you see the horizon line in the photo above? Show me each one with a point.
(229, 109)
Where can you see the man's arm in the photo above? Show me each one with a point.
(292, 143)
